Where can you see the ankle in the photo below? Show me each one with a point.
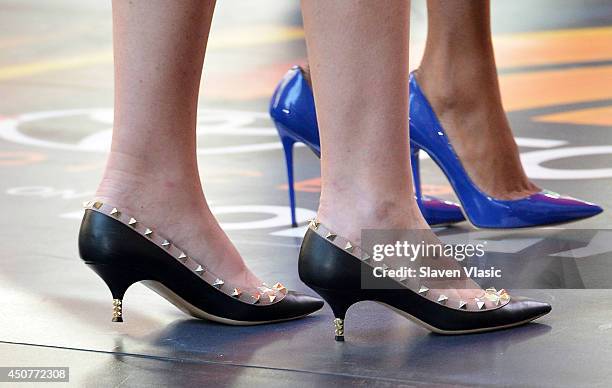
(448, 87)
(351, 215)
(466, 113)
(151, 195)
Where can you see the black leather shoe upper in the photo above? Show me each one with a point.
(337, 276)
(114, 249)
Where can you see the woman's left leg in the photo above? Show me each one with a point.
(459, 77)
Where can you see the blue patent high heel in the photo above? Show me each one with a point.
(292, 109)
(543, 208)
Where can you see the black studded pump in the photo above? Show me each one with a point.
(336, 269)
(122, 252)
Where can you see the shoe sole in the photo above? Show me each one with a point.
(457, 332)
(196, 312)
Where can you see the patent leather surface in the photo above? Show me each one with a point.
(543, 208)
(337, 276)
(292, 109)
(121, 256)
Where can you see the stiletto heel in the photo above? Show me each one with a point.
(118, 280)
(339, 302)
(482, 210)
(416, 174)
(288, 143)
(347, 267)
(444, 212)
(123, 251)
(292, 110)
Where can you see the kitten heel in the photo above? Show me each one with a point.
(123, 251)
(118, 281)
(339, 270)
(339, 302)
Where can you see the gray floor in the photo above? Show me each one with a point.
(56, 88)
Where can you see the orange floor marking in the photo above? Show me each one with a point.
(550, 88)
(591, 116)
(308, 186)
(258, 82)
(313, 185)
(20, 158)
(553, 47)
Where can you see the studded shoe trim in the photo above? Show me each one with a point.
(498, 298)
(262, 296)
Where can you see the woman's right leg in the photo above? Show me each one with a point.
(358, 54)
(152, 169)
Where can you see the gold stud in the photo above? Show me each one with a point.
(117, 310)
(199, 270)
(166, 244)
(132, 222)
(256, 297)
(236, 293)
(480, 304)
(330, 236)
(272, 297)
(462, 305)
(218, 283)
(314, 224)
(97, 205)
(365, 257)
(279, 287)
(491, 297)
(496, 302)
(423, 290)
(503, 294)
(115, 212)
(339, 329)
(182, 257)
(348, 247)
(442, 299)
(148, 233)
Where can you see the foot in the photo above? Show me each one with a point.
(470, 110)
(176, 209)
(389, 214)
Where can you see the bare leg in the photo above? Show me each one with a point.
(459, 77)
(359, 70)
(358, 54)
(152, 169)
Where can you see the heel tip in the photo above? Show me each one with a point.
(294, 224)
(339, 338)
(117, 319)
